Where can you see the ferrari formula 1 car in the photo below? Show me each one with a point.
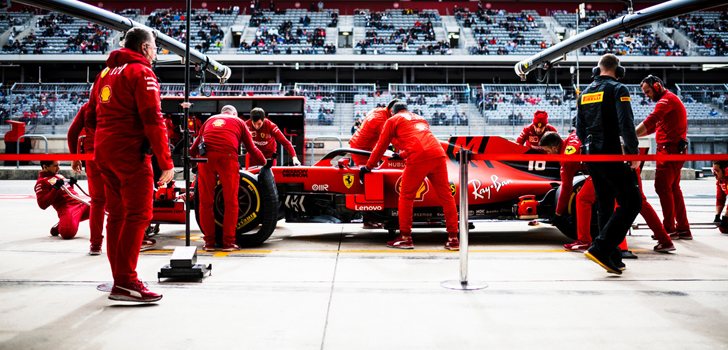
(331, 190)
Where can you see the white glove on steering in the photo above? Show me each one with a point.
(296, 162)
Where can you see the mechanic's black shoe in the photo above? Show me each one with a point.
(627, 254)
(716, 220)
(602, 260)
(54, 230)
(723, 227)
(95, 249)
(685, 235)
(616, 258)
(147, 244)
(664, 247)
(402, 242)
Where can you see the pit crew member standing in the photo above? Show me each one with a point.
(669, 122)
(371, 127)
(604, 114)
(265, 134)
(129, 123)
(51, 190)
(424, 158)
(532, 133)
(721, 191)
(221, 136)
(82, 122)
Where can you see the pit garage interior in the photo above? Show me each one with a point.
(324, 281)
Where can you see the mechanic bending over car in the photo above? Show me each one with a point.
(265, 134)
(82, 122)
(585, 199)
(604, 115)
(129, 128)
(219, 141)
(669, 122)
(365, 138)
(51, 190)
(424, 158)
(532, 133)
(721, 191)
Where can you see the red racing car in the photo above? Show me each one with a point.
(332, 191)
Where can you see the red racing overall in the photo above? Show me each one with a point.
(71, 210)
(572, 145)
(669, 122)
(82, 123)
(424, 158)
(265, 139)
(128, 122)
(366, 137)
(222, 135)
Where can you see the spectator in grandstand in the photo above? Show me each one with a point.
(51, 190)
(721, 187)
(607, 99)
(368, 134)
(531, 134)
(129, 125)
(424, 158)
(669, 123)
(82, 123)
(266, 136)
(220, 138)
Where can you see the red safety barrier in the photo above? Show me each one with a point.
(598, 157)
(47, 156)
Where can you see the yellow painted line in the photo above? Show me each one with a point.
(369, 251)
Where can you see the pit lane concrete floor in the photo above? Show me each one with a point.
(331, 286)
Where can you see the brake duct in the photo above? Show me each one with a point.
(109, 19)
(557, 53)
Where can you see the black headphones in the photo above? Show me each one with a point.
(619, 72)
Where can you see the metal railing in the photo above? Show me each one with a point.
(17, 144)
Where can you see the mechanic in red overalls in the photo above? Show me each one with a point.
(220, 137)
(129, 125)
(424, 158)
(586, 197)
(669, 122)
(532, 133)
(721, 192)
(95, 182)
(51, 190)
(371, 127)
(265, 134)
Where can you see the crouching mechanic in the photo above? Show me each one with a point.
(532, 133)
(51, 190)
(265, 134)
(424, 158)
(129, 128)
(721, 192)
(219, 141)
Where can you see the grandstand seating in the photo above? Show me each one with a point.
(207, 29)
(641, 41)
(44, 103)
(503, 33)
(707, 29)
(293, 31)
(9, 19)
(408, 32)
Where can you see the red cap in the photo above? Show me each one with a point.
(540, 118)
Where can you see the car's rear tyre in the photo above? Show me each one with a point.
(257, 209)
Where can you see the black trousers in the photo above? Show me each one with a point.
(614, 181)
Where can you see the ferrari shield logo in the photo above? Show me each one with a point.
(570, 149)
(348, 180)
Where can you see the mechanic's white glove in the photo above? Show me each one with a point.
(296, 162)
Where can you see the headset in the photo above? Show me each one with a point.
(654, 83)
(619, 72)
